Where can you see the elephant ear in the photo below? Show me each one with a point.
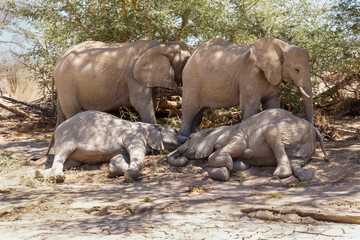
(154, 137)
(153, 68)
(268, 58)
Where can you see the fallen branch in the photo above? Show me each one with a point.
(28, 104)
(18, 112)
(19, 102)
(335, 89)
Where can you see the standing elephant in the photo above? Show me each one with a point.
(222, 74)
(273, 137)
(95, 137)
(99, 76)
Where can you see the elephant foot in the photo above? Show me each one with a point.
(114, 171)
(181, 138)
(132, 174)
(50, 176)
(221, 174)
(306, 174)
(240, 165)
(283, 171)
(221, 160)
(177, 162)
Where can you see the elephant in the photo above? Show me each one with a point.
(222, 74)
(273, 137)
(94, 137)
(99, 76)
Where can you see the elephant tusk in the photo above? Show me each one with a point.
(172, 153)
(303, 92)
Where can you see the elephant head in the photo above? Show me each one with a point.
(162, 65)
(282, 61)
(160, 138)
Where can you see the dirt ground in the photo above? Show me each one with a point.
(176, 203)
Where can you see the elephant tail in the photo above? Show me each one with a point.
(50, 144)
(320, 139)
(53, 93)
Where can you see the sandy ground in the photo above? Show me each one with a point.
(176, 203)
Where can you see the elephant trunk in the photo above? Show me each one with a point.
(306, 91)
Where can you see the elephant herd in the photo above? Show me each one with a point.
(92, 78)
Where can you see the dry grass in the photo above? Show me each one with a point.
(19, 85)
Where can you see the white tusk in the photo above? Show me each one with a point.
(172, 153)
(303, 92)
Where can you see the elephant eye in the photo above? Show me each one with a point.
(297, 70)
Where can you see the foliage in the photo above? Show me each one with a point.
(147, 199)
(329, 30)
(276, 195)
(298, 184)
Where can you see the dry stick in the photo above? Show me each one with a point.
(18, 112)
(20, 102)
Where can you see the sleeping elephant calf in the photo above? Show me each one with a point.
(273, 137)
(95, 137)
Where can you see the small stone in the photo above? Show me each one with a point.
(293, 218)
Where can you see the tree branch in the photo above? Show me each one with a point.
(78, 20)
(123, 9)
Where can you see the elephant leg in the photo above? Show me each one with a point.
(69, 108)
(191, 106)
(118, 165)
(60, 114)
(197, 120)
(56, 171)
(221, 161)
(249, 106)
(283, 168)
(224, 156)
(137, 155)
(142, 100)
(303, 174)
(269, 103)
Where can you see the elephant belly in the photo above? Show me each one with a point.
(104, 98)
(260, 162)
(92, 156)
(223, 94)
(260, 156)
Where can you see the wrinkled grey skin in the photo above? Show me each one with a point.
(222, 74)
(273, 137)
(99, 76)
(95, 137)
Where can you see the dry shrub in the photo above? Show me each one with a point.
(220, 117)
(322, 123)
(347, 107)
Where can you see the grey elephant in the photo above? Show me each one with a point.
(273, 137)
(95, 137)
(99, 76)
(222, 74)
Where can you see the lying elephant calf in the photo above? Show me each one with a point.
(95, 137)
(273, 137)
